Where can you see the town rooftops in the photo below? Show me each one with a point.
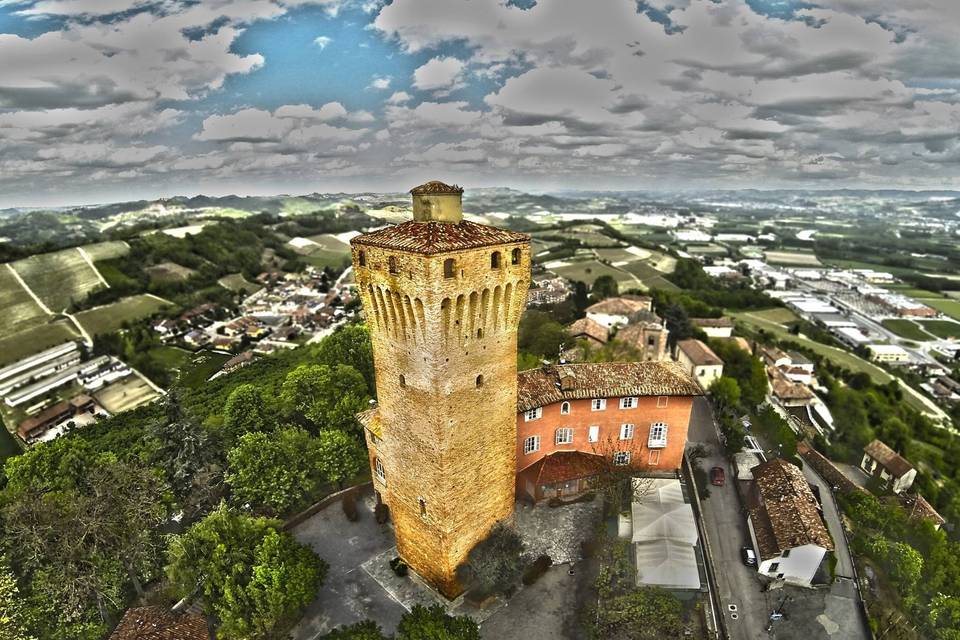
(919, 509)
(549, 384)
(621, 306)
(567, 465)
(784, 511)
(698, 353)
(889, 459)
(785, 389)
(434, 237)
(44, 417)
(158, 623)
(436, 187)
(589, 328)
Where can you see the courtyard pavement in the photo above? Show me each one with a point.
(810, 614)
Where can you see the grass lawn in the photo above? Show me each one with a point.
(793, 257)
(36, 339)
(170, 357)
(907, 290)
(942, 328)
(779, 315)
(20, 311)
(110, 317)
(202, 365)
(236, 282)
(107, 250)
(905, 329)
(944, 305)
(58, 277)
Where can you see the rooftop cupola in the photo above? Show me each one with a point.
(435, 201)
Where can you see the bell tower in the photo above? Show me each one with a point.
(443, 298)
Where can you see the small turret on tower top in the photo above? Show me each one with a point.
(435, 201)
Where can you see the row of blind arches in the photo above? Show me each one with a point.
(449, 265)
(464, 318)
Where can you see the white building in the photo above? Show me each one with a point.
(786, 527)
(887, 353)
(714, 327)
(890, 468)
(617, 311)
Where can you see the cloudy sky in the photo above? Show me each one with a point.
(117, 99)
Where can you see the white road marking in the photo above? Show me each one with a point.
(29, 290)
(86, 256)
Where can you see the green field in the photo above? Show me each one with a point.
(58, 278)
(780, 315)
(651, 278)
(36, 339)
(792, 258)
(941, 328)
(589, 270)
(236, 282)
(167, 272)
(327, 251)
(906, 329)
(107, 250)
(944, 305)
(620, 255)
(203, 365)
(110, 318)
(907, 290)
(20, 311)
(170, 357)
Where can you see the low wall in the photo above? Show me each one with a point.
(317, 507)
(822, 465)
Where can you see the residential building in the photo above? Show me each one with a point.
(699, 361)
(787, 392)
(887, 353)
(714, 327)
(443, 298)
(549, 291)
(159, 623)
(573, 420)
(590, 330)
(785, 522)
(35, 427)
(646, 334)
(617, 311)
(887, 466)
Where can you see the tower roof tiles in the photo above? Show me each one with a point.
(433, 237)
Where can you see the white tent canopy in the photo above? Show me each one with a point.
(664, 521)
(649, 490)
(668, 564)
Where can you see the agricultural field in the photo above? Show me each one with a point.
(946, 306)
(780, 315)
(324, 250)
(793, 258)
(651, 277)
(35, 339)
(168, 272)
(125, 394)
(708, 249)
(953, 294)
(59, 277)
(20, 311)
(106, 250)
(942, 328)
(906, 329)
(619, 257)
(589, 236)
(236, 282)
(110, 317)
(589, 270)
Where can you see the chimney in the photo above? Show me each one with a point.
(437, 202)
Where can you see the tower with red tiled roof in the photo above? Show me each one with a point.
(443, 298)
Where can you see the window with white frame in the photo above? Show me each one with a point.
(598, 404)
(564, 408)
(531, 444)
(661, 402)
(593, 434)
(378, 467)
(621, 458)
(658, 435)
(533, 414)
(626, 431)
(564, 435)
(629, 402)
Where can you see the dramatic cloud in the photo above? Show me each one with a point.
(153, 95)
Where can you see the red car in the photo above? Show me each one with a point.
(716, 476)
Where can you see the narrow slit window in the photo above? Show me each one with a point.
(515, 256)
(495, 260)
(423, 507)
(362, 258)
(449, 268)
(479, 381)
(403, 382)
(392, 264)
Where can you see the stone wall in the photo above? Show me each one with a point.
(446, 374)
(822, 465)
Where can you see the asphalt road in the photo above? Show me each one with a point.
(811, 614)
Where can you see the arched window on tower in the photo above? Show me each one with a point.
(515, 256)
(495, 260)
(362, 258)
(449, 266)
(392, 264)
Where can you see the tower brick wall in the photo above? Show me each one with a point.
(444, 343)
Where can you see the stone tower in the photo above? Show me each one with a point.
(443, 298)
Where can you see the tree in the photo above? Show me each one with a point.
(422, 623)
(340, 456)
(725, 393)
(254, 577)
(246, 411)
(678, 323)
(48, 466)
(366, 630)
(646, 613)
(496, 562)
(944, 616)
(604, 287)
(743, 367)
(350, 345)
(274, 471)
(13, 610)
(181, 447)
(321, 397)
(541, 335)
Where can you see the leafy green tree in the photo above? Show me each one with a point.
(340, 456)
(350, 345)
(246, 411)
(604, 287)
(743, 367)
(254, 577)
(274, 471)
(433, 623)
(725, 393)
(181, 447)
(496, 562)
(321, 397)
(541, 335)
(944, 616)
(640, 614)
(678, 323)
(13, 610)
(48, 466)
(366, 630)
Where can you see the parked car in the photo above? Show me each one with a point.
(749, 557)
(716, 476)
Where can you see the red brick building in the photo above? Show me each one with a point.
(572, 418)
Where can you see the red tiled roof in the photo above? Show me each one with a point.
(620, 306)
(438, 237)
(546, 385)
(435, 186)
(698, 353)
(158, 623)
(888, 458)
(589, 328)
(561, 466)
(918, 508)
(784, 511)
